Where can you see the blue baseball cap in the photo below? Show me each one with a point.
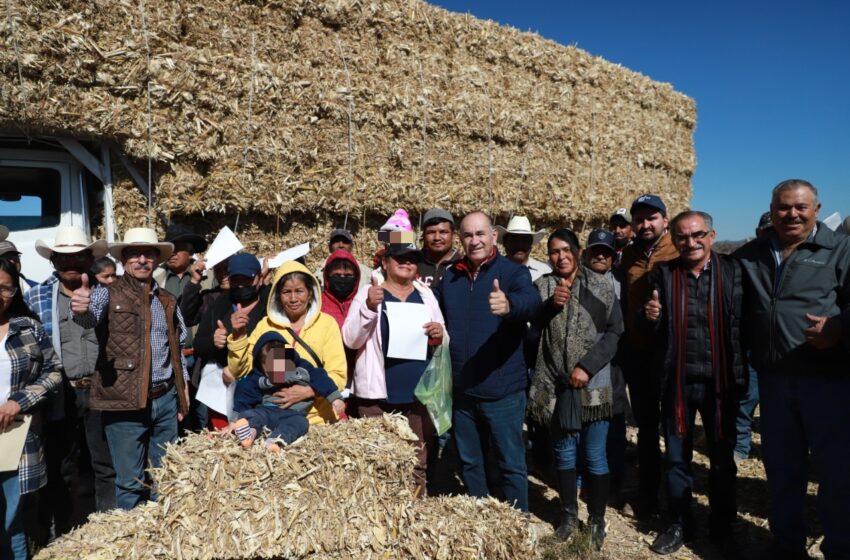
(243, 264)
(601, 237)
(651, 200)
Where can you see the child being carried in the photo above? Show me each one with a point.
(276, 366)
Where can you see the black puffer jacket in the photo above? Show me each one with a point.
(661, 279)
(815, 280)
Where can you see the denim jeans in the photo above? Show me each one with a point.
(473, 420)
(744, 421)
(283, 423)
(138, 438)
(803, 414)
(680, 451)
(591, 440)
(13, 541)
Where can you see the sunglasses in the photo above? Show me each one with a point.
(696, 236)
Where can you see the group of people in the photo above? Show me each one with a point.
(644, 315)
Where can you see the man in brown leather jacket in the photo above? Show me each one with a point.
(140, 382)
(652, 245)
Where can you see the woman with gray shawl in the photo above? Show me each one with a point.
(579, 324)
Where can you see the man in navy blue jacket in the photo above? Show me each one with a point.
(487, 300)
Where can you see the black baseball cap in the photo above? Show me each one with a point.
(764, 222)
(398, 249)
(340, 232)
(601, 237)
(437, 215)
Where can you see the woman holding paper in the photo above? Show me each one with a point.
(385, 372)
(28, 370)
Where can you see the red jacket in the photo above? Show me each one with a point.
(330, 304)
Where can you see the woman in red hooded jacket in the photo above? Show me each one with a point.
(341, 277)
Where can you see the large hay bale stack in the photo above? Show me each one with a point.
(300, 111)
(344, 491)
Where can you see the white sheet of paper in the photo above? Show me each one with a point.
(407, 337)
(12, 443)
(223, 246)
(289, 255)
(214, 393)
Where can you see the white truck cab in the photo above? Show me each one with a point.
(48, 182)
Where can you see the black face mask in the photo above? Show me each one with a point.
(243, 293)
(341, 286)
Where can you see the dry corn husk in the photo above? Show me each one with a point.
(305, 111)
(344, 491)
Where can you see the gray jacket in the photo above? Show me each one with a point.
(815, 279)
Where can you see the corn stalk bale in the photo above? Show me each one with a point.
(252, 103)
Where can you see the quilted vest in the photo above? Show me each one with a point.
(123, 377)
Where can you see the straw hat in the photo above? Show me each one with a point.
(519, 225)
(141, 237)
(70, 239)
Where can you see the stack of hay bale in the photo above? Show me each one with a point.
(344, 491)
(298, 113)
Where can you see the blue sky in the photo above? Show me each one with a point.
(771, 80)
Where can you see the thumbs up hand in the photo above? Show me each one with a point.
(499, 303)
(81, 297)
(562, 293)
(652, 309)
(239, 321)
(375, 296)
(220, 336)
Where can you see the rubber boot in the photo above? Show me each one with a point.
(597, 498)
(569, 503)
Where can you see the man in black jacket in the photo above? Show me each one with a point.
(796, 314)
(695, 305)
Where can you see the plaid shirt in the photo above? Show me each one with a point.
(35, 371)
(40, 300)
(161, 369)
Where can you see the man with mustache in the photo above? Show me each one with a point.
(695, 308)
(486, 301)
(620, 224)
(141, 381)
(652, 245)
(75, 447)
(797, 328)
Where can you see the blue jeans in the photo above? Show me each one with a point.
(473, 420)
(592, 439)
(679, 452)
(283, 423)
(746, 412)
(802, 414)
(13, 541)
(134, 437)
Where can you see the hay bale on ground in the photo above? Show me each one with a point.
(344, 491)
(329, 107)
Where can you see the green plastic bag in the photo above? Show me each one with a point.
(434, 389)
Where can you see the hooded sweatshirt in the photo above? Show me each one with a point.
(330, 304)
(320, 332)
(257, 388)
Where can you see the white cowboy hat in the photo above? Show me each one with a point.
(519, 225)
(141, 237)
(70, 239)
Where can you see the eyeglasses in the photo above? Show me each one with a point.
(79, 257)
(134, 254)
(696, 236)
(8, 291)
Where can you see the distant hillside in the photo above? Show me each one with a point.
(727, 247)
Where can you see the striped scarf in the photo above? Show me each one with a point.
(717, 337)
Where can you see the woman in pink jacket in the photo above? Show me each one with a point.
(383, 384)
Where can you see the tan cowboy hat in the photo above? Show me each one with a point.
(70, 239)
(141, 237)
(519, 225)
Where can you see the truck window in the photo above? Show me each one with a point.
(30, 197)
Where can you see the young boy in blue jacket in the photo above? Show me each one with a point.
(257, 406)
